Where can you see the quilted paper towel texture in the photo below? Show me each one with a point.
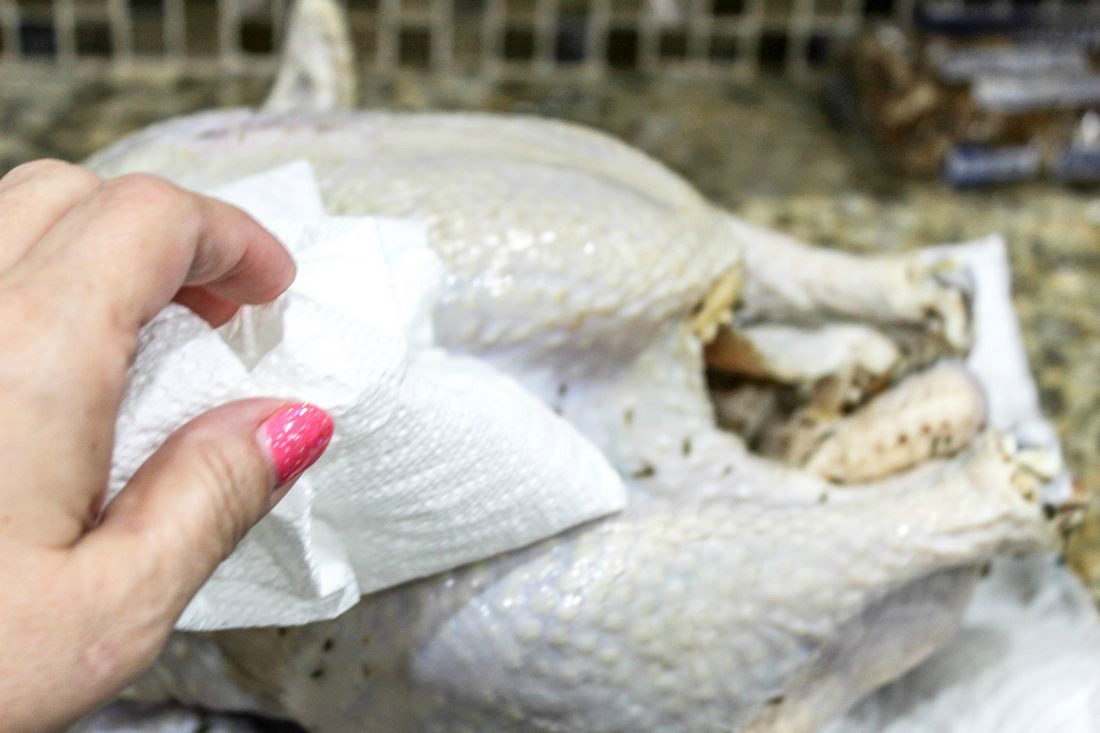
(438, 460)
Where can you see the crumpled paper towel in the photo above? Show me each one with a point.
(438, 460)
(1027, 657)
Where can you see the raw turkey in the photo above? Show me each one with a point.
(814, 489)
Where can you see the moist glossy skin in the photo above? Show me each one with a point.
(735, 593)
(571, 255)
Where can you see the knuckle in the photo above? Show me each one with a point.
(36, 168)
(51, 168)
(235, 482)
(148, 192)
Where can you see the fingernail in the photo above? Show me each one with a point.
(296, 436)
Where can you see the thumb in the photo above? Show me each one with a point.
(193, 500)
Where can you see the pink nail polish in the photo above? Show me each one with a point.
(296, 437)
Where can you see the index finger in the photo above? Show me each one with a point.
(130, 246)
(72, 309)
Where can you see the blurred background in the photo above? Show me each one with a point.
(868, 125)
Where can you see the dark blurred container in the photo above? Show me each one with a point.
(982, 95)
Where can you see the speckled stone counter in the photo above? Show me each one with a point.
(765, 150)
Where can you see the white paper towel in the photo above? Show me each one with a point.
(438, 460)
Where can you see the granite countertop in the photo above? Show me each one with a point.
(765, 150)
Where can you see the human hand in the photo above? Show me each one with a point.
(84, 263)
